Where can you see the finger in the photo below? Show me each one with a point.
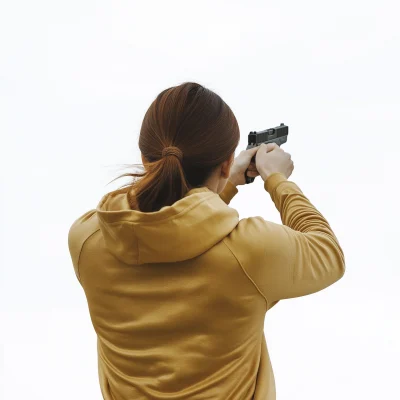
(271, 146)
(253, 150)
(252, 174)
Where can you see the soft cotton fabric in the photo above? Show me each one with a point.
(178, 297)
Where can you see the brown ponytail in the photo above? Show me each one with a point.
(203, 133)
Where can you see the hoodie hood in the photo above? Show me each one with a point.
(184, 230)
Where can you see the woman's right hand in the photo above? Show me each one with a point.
(270, 158)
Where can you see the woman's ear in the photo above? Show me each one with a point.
(232, 158)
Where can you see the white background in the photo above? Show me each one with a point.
(76, 80)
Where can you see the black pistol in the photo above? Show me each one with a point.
(276, 135)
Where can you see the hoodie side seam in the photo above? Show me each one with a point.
(248, 276)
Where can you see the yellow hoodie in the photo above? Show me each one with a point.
(178, 297)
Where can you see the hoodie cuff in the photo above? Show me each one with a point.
(229, 191)
(273, 181)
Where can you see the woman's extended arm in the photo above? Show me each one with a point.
(300, 257)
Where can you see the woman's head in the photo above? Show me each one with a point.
(201, 126)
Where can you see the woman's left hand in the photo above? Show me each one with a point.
(240, 164)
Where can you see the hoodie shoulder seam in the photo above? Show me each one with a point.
(80, 252)
(245, 272)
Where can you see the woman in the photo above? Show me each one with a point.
(177, 286)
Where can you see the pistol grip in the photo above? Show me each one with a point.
(249, 179)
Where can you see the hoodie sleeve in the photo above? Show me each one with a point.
(229, 191)
(300, 257)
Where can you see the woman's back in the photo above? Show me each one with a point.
(178, 297)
